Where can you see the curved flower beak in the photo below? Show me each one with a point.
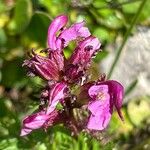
(57, 24)
(83, 53)
(81, 58)
(116, 91)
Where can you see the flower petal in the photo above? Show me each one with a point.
(38, 120)
(97, 106)
(48, 68)
(57, 24)
(58, 58)
(56, 94)
(25, 131)
(33, 121)
(81, 58)
(84, 52)
(116, 91)
(75, 31)
(100, 121)
(95, 89)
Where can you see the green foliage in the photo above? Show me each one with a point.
(21, 17)
(12, 72)
(37, 29)
(3, 37)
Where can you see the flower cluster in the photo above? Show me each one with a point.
(67, 82)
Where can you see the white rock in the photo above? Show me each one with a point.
(133, 64)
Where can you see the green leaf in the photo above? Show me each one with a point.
(2, 6)
(114, 21)
(102, 33)
(131, 87)
(59, 106)
(144, 16)
(100, 3)
(21, 18)
(129, 8)
(9, 144)
(12, 72)
(3, 37)
(105, 12)
(37, 29)
(100, 56)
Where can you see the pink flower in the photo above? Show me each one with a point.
(63, 75)
(116, 91)
(52, 67)
(48, 68)
(81, 58)
(38, 120)
(48, 116)
(103, 96)
(84, 51)
(65, 35)
(99, 107)
(75, 31)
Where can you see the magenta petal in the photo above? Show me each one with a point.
(84, 32)
(58, 58)
(95, 89)
(116, 91)
(75, 31)
(43, 67)
(91, 43)
(81, 58)
(57, 24)
(73, 73)
(100, 121)
(97, 106)
(33, 121)
(25, 131)
(84, 52)
(56, 94)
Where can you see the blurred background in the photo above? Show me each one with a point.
(123, 26)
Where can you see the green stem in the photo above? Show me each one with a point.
(131, 87)
(126, 37)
